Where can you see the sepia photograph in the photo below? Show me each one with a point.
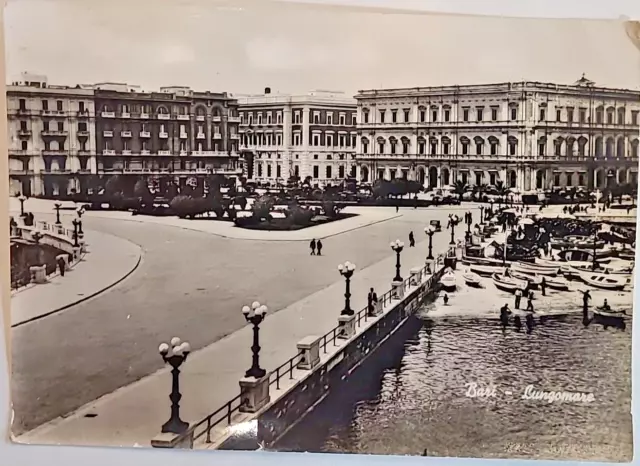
(266, 225)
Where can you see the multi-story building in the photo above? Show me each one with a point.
(175, 135)
(528, 135)
(285, 136)
(51, 132)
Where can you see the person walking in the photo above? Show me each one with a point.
(397, 208)
(543, 286)
(530, 304)
(312, 245)
(518, 298)
(372, 300)
(61, 266)
(586, 296)
(412, 240)
(446, 299)
(319, 247)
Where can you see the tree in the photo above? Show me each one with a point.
(502, 190)
(141, 191)
(241, 201)
(113, 185)
(261, 208)
(460, 187)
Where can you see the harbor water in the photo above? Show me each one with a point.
(459, 385)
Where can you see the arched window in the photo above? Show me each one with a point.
(422, 143)
(464, 145)
(393, 142)
(542, 146)
(570, 150)
(381, 145)
(162, 110)
(599, 147)
(365, 115)
(582, 144)
(446, 144)
(494, 143)
(405, 145)
(610, 115)
(634, 148)
(557, 146)
(610, 147)
(599, 115)
(620, 147)
(621, 118)
(365, 145)
(479, 142)
(513, 145)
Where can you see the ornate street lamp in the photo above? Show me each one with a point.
(255, 314)
(430, 231)
(453, 221)
(175, 354)
(76, 224)
(57, 206)
(22, 198)
(346, 270)
(80, 213)
(397, 246)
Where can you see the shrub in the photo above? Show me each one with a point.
(300, 216)
(186, 207)
(261, 208)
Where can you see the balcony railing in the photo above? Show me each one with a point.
(164, 116)
(20, 171)
(55, 152)
(107, 133)
(126, 152)
(145, 152)
(201, 117)
(108, 114)
(53, 132)
(183, 153)
(83, 134)
(125, 115)
(145, 134)
(24, 132)
(233, 119)
(108, 152)
(82, 113)
(201, 136)
(202, 153)
(216, 119)
(217, 136)
(183, 117)
(125, 134)
(163, 135)
(235, 137)
(184, 135)
(164, 152)
(144, 116)
(57, 171)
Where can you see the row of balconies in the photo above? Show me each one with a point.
(174, 171)
(165, 135)
(494, 158)
(488, 123)
(47, 171)
(51, 133)
(182, 153)
(167, 116)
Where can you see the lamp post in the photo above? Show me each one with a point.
(57, 206)
(469, 222)
(80, 213)
(430, 231)
(175, 354)
(346, 270)
(481, 215)
(453, 221)
(22, 198)
(76, 224)
(397, 246)
(255, 314)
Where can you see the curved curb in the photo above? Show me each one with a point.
(84, 298)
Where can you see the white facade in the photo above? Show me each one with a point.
(52, 144)
(527, 135)
(284, 136)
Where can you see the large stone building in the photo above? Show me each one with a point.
(51, 133)
(528, 135)
(175, 135)
(284, 136)
(65, 140)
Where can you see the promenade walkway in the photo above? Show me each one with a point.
(108, 261)
(132, 415)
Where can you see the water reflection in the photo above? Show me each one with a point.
(413, 396)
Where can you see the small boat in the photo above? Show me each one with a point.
(448, 280)
(609, 318)
(532, 270)
(508, 284)
(470, 260)
(534, 280)
(486, 270)
(472, 279)
(558, 284)
(534, 265)
(603, 280)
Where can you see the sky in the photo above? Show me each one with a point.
(244, 46)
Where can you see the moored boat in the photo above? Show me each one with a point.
(604, 280)
(509, 284)
(609, 318)
(448, 280)
(534, 280)
(486, 270)
(555, 283)
(472, 279)
(530, 269)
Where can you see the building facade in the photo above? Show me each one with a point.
(51, 135)
(175, 135)
(298, 136)
(528, 135)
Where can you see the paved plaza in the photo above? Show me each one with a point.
(193, 284)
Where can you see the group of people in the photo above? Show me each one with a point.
(316, 246)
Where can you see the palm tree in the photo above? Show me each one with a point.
(460, 187)
(502, 190)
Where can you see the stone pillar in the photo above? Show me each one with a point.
(38, 274)
(347, 327)
(416, 276)
(77, 252)
(309, 351)
(65, 258)
(171, 440)
(254, 394)
(397, 290)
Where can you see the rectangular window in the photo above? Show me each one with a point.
(558, 149)
(81, 107)
(447, 115)
(23, 126)
(365, 116)
(393, 147)
(279, 118)
(465, 148)
(260, 118)
(329, 118)
(296, 139)
(445, 148)
(465, 114)
(494, 114)
(279, 139)
(316, 171)
(406, 116)
(514, 113)
(316, 140)
(423, 116)
(494, 149)
(381, 147)
(365, 148)
(542, 148)
(634, 117)
(543, 114)
(60, 126)
(556, 180)
(434, 148)
(22, 104)
(316, 118)
(269, 118)
(394, 116)
(353, 140)
(434, 115)
(478, 149)
(570, 115)
(558, 115)
(59, 105)
(583, 115)
(405, 148)
(329, 140)
(480, 112)
(512, 148)
(45, 105)
(45, 125)
(82, 126)
(125, 144)
(342, 120)
(421, 148)
(353, 120)
(296, 118)
(382, 112)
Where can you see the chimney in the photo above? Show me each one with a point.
(267, 90)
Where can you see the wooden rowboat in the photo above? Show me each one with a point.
(603, 280)
(508, 284)
(486, 270)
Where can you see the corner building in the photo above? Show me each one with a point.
(528, 135)
(284, 136)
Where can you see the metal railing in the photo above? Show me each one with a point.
(226, 412)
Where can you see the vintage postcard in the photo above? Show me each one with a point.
(263, 225)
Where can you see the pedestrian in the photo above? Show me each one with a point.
(397, 208)
(586, 296)
(312, 245)
(446, 299)
(61, 266)
(543, 286)
(530, 304)
(319, 247)
(412, 240)
(518, 298)
(372, 300)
